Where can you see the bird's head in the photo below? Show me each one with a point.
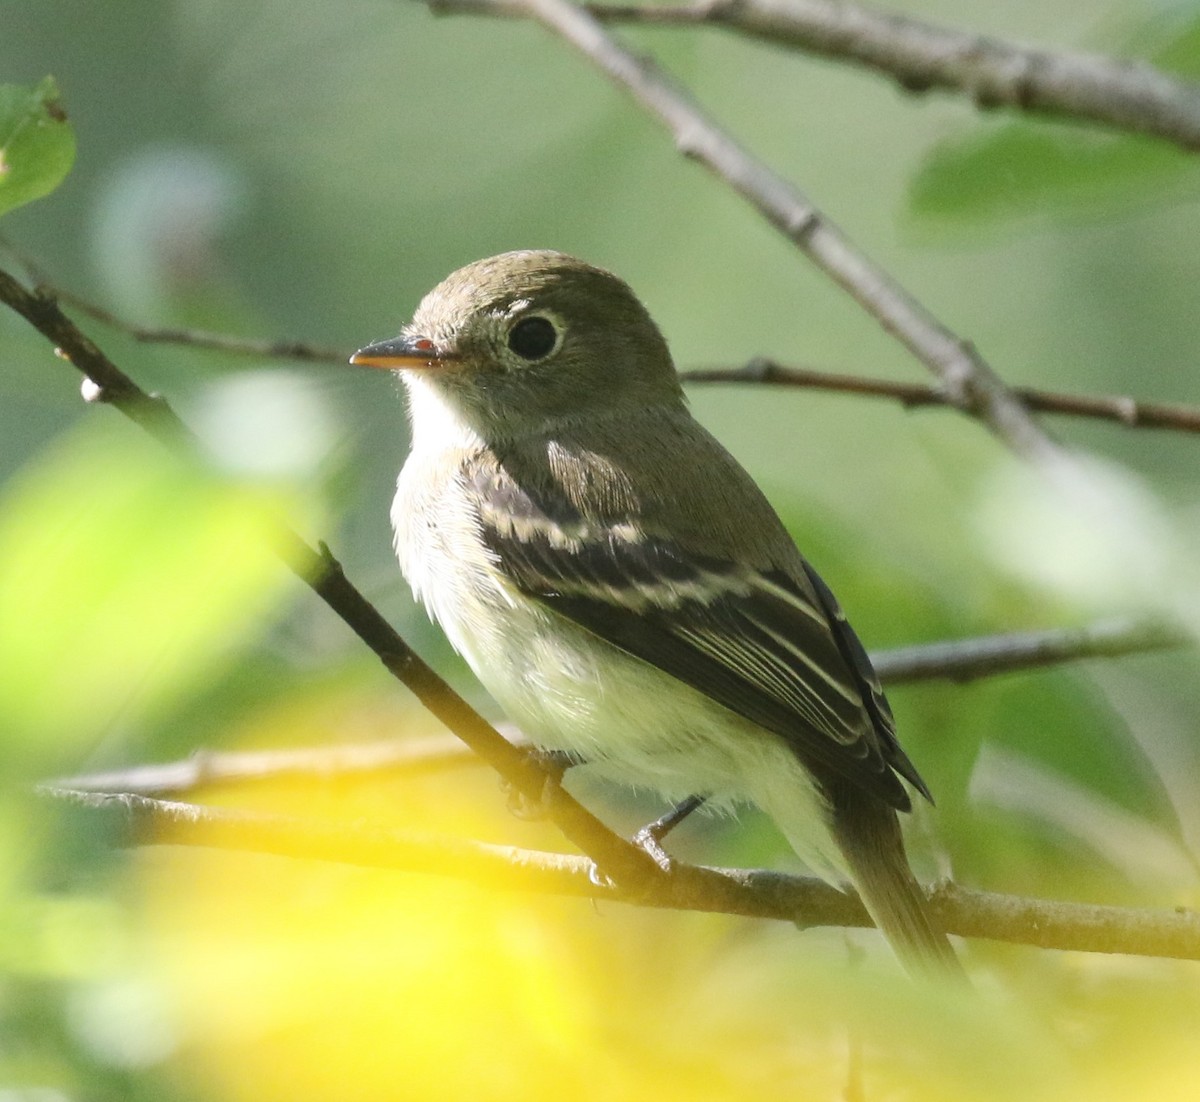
(525, 340)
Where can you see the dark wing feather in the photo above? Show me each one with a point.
(859, 662)
(756, 643)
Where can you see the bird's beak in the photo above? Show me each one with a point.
(403, 352)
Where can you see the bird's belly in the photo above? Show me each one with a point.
(569, 691)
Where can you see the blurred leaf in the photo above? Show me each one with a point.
(1148, 855)
(37, 144)
(125, 576)
(1002, 170)
(1025, 167)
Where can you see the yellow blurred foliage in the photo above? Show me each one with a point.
(297, 980)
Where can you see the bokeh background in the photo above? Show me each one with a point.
(308, 170)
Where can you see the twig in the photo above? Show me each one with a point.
(968, 381)
(204, 338)
(319, 570)
(323, 763)
(1128, 411)
(961, 660)
(752, 893)
(988, 655)
(1121, 409)
(1125, 95)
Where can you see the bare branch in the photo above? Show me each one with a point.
(1121, 409)
(1128, 411)
(1125, 95)
(752, 893)
(969, 382)
(989, 655)
(204, 338)
(320, 571)
(321, 764)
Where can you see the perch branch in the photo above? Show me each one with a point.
(747, 892)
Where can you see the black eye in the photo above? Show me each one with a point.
(532, 338)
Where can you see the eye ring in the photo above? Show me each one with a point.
(533, 337)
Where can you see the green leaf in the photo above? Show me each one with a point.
(37, 144)
(1006, 169)
(1023, 168)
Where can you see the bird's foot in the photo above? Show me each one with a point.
(650, 837)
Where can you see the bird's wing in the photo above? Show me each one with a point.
(757, 642)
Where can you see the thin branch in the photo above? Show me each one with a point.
(319, 570)
(103, 380)
(959, 661)
(1124, 95)
(322, 764)
(968, 381)
(989, 655)
(204, 338)
(752, 893)
(1121, 409)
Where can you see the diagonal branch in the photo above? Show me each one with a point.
(747, 892)
(1125, 95)
(968, 380)
(105, 382)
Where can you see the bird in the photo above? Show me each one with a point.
(621, 586)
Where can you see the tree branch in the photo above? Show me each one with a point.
(1121, 409)
(285, 349)
(988, 655)
(1124, 95)
(751, 893)
(968, 381)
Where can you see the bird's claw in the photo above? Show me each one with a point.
(648, 841)
(600, 879)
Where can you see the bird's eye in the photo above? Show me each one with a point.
(533, 338)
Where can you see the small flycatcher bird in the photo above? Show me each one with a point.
(623, 588)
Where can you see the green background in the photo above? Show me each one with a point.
(309, 170)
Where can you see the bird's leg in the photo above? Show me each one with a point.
(553, 763)
(651, 835)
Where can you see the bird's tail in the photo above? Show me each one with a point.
(867, 832)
